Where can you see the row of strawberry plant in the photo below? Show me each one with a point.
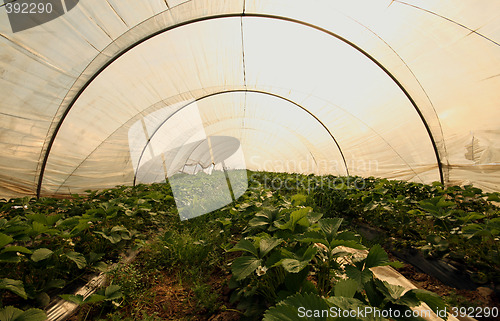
(66, 239)
(293, 257)
(50, 244)
(461, 224)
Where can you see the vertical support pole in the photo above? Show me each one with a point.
(228, 181)
(164, 166)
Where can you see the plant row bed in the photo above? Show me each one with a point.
(264, 256)
(49, 246)
(460, 225)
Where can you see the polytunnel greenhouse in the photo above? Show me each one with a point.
(249, 160)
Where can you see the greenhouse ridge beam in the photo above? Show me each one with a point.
(243, 91)
(230, 15)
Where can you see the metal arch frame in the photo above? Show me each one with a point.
(243, 14)
(161, 101)
(248, 129)
(240, 91)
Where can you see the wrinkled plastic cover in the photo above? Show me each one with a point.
(381, 88)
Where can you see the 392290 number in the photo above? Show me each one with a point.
(475, 312)
(28, 8)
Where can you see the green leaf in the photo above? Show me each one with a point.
(77, 299)
(344, 304)
(38, 217)
(113, 292)
(330, 226)
(346, 288)
(347, 243)
(309, 254)
(53, 219)
(5, 239)
(312, 237)
(93, 298)
(69, 222)
(11, 313)
(299, 199)
(245, 246)
(116, 229)
(347, 236)
(434, 301)
(298, 217)
(83, 224)
(376, 257)
(113, 238)
(433, 239)
(43, 299)
(429, 205)
(415, 212)
(78, 258)
(494, 222)
(443, 203)
(41, 254)
(258, 221)
(295, 281)
(494, 197)
(9, 257)
(375, 298)
(473, 216)
(225, 222)
(314, 217)
(55, 283)
(360, 276)
(294, 307)
(14, 286)
(389, 290)
(396, 264)
(15, 248)
(244, 266)
(299, 260)
(101, 266)
(267, 244)
(293, 265)
(471, 230)
(39, 228)
(94, 257)
(125, 235)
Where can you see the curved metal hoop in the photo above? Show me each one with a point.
(243, 91)
(268, 16)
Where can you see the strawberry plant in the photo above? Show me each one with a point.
(294, 253)
(291, 242)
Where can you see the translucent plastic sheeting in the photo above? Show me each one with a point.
(315, 118)
(205, 172)
(397, 89)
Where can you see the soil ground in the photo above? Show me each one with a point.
(168, 299)
(481, 297)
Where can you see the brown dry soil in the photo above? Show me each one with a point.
(481, 297)
(167, 299)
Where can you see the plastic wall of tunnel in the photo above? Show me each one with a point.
(397, 89)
